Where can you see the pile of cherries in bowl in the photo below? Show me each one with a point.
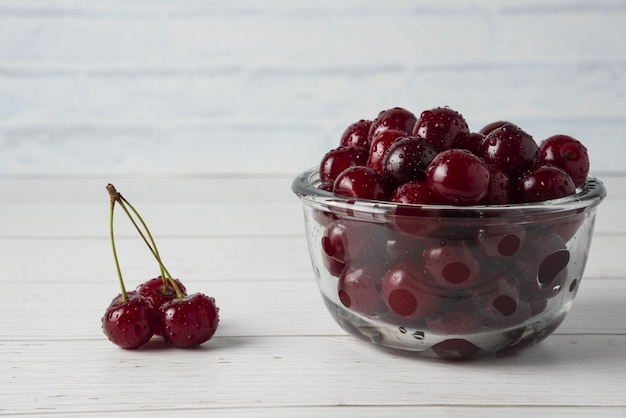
(430, 238)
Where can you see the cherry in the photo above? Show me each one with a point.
(441, 126)
(492, 126)
(458, 177)
(363, 183)
(499, 303)
(500, 191)
(337, 160)
(407, 159)
(357, 134)
(470, 142)
(158, 291)
(568, 154)
(359, 287)
(130, 320)
(503, 241)
(379, 145)
(414, 192)
(510, 149)
(394, 118)
(189, 321)
(544, 183)
(456, 349)
(406, 291)
(451, 264)
(345, 240)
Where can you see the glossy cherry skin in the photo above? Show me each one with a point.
(190, 321)
(356, 134)
(470, 142)
(395, 118)
(500, 190)
(458, 177)
(510, 149)
(345, 240)
(492, 126)
(129, 324)
(337, 160)
(359, 287)
(362, 183)
(158, 293)
(414, 193)
(407, 293)
(407, 159)
(544, 183)
(441, 126)
(451, 264)
(567, 153)
(379, 145)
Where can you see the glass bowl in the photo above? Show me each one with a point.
(452, 282)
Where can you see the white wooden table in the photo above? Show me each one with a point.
(277, 352)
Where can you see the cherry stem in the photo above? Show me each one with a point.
(117, 197)
(124, 297)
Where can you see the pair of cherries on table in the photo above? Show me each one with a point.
(159, 306)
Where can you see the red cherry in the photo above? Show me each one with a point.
(359, 287)
(470, 142)
(492, 126)
(451, 264)
(189, 321)
(568, 154)
(456, 349)
(501, 241)
(406, 292)
(499, 303)
(379, 145)
(395, 118)
(337, 160)
(544, 183)
(458, 318)
(414, 192)
(346, 240)
(130, 323)
(441, 126)
(357, 134)
(363, 183)
(510, 149)
(458, 177)
(158, 292)
(500, 190)
(407, 159)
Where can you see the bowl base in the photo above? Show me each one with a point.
(423, 343)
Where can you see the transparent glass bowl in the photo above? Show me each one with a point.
(452, 282)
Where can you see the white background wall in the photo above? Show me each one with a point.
(198, 86)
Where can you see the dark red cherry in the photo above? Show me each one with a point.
(458, 177)
(451, 264)
(485, 130)
(501, 241)
(441, 126)
(129, 323)
(456, 349)
(510, 149)
(395, 118)
(158, 292)
(406, 292)
(413, 193)
(363, 183)
(470, 142)
(407, 159)
(357, 134)
(567, 153)
(500, 188)
(189, 321)
(499, 303)
(544, 183)
(379, 145)
(359, 287)
(345, 240)
(337, 160)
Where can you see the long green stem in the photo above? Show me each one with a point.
(116, 196)
(117, 263)
(145, 227)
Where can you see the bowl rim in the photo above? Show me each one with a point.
(304, 186)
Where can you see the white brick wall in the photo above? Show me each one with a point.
(194, 86)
